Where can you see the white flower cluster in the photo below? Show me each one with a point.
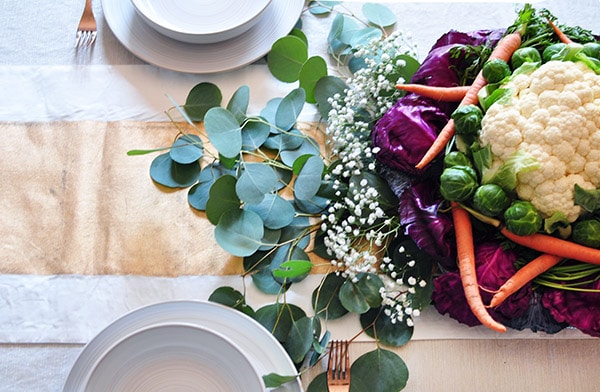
(355, 226)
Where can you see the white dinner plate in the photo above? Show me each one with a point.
(263, 350)
(174, 357)
(200, 21)
(149, 45)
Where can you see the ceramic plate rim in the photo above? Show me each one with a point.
(138, 5)
(159, 325)
(266, 352)
(149, 45)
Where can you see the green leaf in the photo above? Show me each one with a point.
(254, 133)
(288, 140)
(326, 87)
(309, 146)
(284, 254)
(300, 34)
(275, 211)
(269, 111)
(256, 181)
(325, 299)
(278, 318)
(274, 380)
(506, 175)
(289, 109)
(293, 269)
(349, 29)
(361, 296)
(300, 338)
(224, 131)
(200, 99)
(270, 238)
(364, 36)
(222, 198)
(308, 182)
(238, 104)
(378, 371)
(165, 171)
(313, 70)
(286, 58)
(229, 296)
(239, 232)
(318, 384)
(258, 265)
(199, 193)
(336, 29)
(376, 323)
(187, 149)
(379, 14)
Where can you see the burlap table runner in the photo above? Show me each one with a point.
(74, 202)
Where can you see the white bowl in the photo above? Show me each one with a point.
(200, 21)
(174, 357)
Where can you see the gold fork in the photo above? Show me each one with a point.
(338, 366)
(86, 31)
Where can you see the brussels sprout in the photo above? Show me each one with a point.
(467, 120)
(490, 199)
(552, 50)
(592, 49)
(587, 232)
(495, 70)
(525, 55)
(456, 158)
(522, 218)
(457, 183)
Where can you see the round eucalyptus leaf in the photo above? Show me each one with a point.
(239, 232)
(322, 7)
(279, 318)
(325, 298)
(224, 131)
(270, 238)
(313, 70)
(364, 36)
(376, 323)
(229, 296)
(379, 14)
(319, 247)
(350, 27)
(297, 32)
(200, 99)
(327, 87)
(286, 57)
(269, 111)
(300, 339)
(336, 29)
(288, 140)
(238, 104)
(308, 147)
(221, 198)
(289, 109)
(199, 193)
(356, 63)
(318, 384)
(283, 255)
(264, 281)
(166, 172)
(298, 232)
(308, 181)
(275, 211)
(359, 297)
(256, 181)
(411, 65)
(378, 371)
(187, 149)
(254, 133)
(285, 177)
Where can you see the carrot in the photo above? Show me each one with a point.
(559, 33)
(556, 246)
(527, 273)
(466, 265)
(444, 94)
(503, 51)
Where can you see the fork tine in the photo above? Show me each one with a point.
(338, 366)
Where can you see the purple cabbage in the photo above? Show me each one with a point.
(576, 308)
(429, 228)
(494, 266)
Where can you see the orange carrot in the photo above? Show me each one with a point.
(556, 246)
(524, 275)
(503, 51)
(466, 265)
(444, 94)
(559, 33)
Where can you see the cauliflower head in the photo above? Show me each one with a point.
(553, 116)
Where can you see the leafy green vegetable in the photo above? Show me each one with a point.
(456, 158)
(495, 70)
(457, 183)
(490, 199)
(467, 122)
(525, 55)
(588, 199)
(587, 232)
(522, 218)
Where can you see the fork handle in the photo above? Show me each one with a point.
(338, 388)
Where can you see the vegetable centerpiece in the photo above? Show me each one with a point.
(517, 165)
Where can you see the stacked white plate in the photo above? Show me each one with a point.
(181, 346)
(200, 36)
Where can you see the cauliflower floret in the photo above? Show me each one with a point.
(553, 116)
